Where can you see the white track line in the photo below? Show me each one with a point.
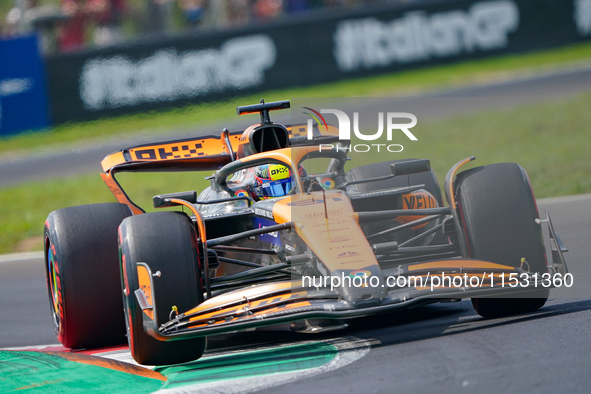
(350, 349)
(31, 347)
(10, 258)
(564, 199)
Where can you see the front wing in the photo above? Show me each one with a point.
(288, 301)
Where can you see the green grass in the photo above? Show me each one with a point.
(382, 85)
(23, 208)
(551, 140)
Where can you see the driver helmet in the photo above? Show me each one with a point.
(272, 180)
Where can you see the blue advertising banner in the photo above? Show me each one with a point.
(23, 98)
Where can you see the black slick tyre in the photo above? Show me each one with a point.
(82, 273)
(165, 242)
(497, 211)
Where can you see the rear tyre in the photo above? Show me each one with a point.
(166, 242)
(497, 210)
(83, 276)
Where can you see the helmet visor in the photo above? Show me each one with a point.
(276, 188)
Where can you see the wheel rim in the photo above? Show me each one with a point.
(124, 285)
(52, 283)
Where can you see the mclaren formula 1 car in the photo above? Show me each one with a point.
(284, 234)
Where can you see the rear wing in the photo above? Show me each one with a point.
(205, 153)
(208, 153)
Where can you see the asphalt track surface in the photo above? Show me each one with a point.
(436, 348)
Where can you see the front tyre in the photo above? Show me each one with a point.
(83, 276)
(166, 242)
(497, 209)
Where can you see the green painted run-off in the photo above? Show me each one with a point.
(28, 371)
(38, 372)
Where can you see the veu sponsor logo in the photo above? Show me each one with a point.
(419, 201)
